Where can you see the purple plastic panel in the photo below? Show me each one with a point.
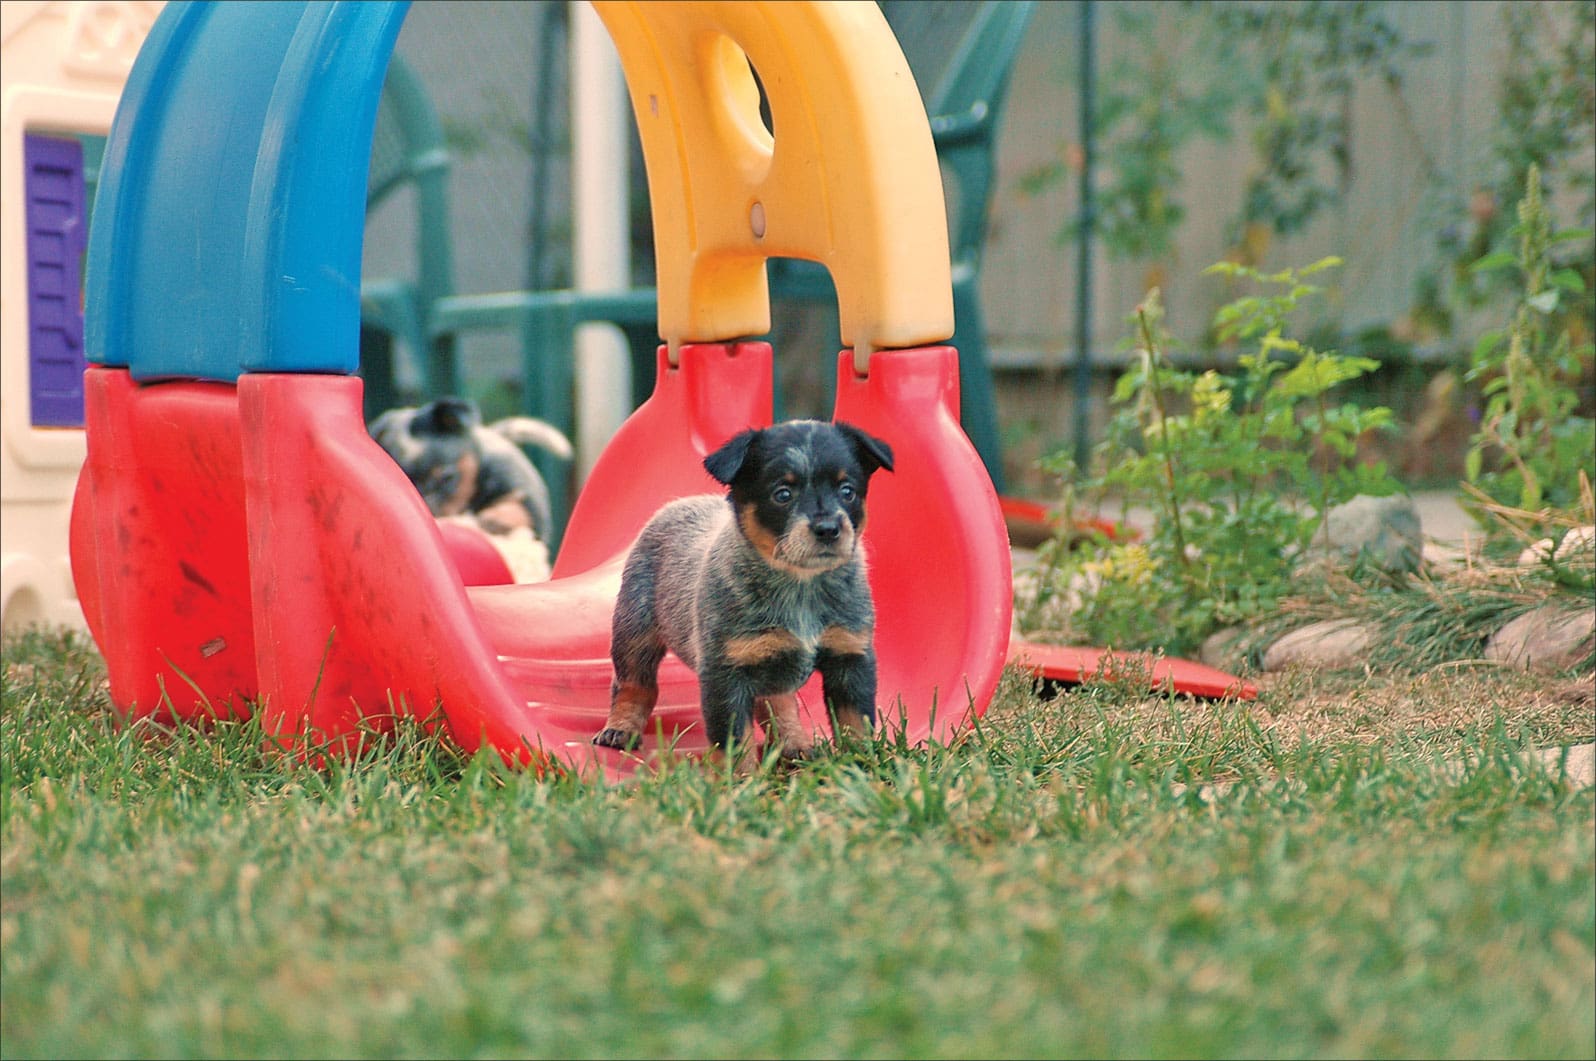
(57, 238)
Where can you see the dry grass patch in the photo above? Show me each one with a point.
(1433, 714)
(1433, 708)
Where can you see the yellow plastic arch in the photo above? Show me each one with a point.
(849, 180)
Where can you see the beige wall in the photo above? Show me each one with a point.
(1383, 229)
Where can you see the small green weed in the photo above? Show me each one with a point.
(1236, 468)
(1531, 448)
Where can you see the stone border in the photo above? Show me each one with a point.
(1551, 637)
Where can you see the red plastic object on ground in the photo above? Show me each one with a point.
(1072, 664)
(1030, 523)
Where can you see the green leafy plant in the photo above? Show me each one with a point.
(1531, 446)
(1235, 468)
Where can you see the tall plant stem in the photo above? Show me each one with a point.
(1163, 432)
(1324, 478)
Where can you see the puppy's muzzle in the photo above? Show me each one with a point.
(817, 543)
(826, 529)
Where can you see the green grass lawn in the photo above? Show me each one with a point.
(1380, 871)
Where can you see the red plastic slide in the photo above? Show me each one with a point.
(254, 543)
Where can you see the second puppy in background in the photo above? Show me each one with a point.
(475, 473)
(755, 590)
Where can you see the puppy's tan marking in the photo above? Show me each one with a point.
(756, 533)
(632, 708)
(850, 720)
(769, 544)
(845, 642)
(751, 651)
(778, 717)
(460, 500)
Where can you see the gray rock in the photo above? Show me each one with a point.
(1549, 638)
(1222, 648)
(1580, 763)
(1383, 532)
(1332, 643)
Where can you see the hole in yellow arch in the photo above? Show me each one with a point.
(747, 140)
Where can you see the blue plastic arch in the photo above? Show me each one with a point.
(231, 207)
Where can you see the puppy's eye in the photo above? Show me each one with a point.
(847, 492)
(782, 495)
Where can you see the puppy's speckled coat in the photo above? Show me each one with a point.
(756, 590)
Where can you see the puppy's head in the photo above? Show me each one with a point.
(799, 490)
(433, 445)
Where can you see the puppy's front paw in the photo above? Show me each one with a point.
(618, 738)
(785, 752)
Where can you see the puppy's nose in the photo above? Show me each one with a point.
(826, 528)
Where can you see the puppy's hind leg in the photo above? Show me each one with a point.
(636, 649)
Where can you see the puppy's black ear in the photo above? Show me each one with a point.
(871, 452)
(726, 462)
(447, 416)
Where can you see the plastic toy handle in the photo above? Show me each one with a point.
(850, 179)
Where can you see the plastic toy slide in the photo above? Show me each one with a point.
(237, 538)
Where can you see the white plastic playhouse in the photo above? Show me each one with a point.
(63, 68)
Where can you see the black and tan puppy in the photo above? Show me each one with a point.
(756, 590)
(463, 467)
